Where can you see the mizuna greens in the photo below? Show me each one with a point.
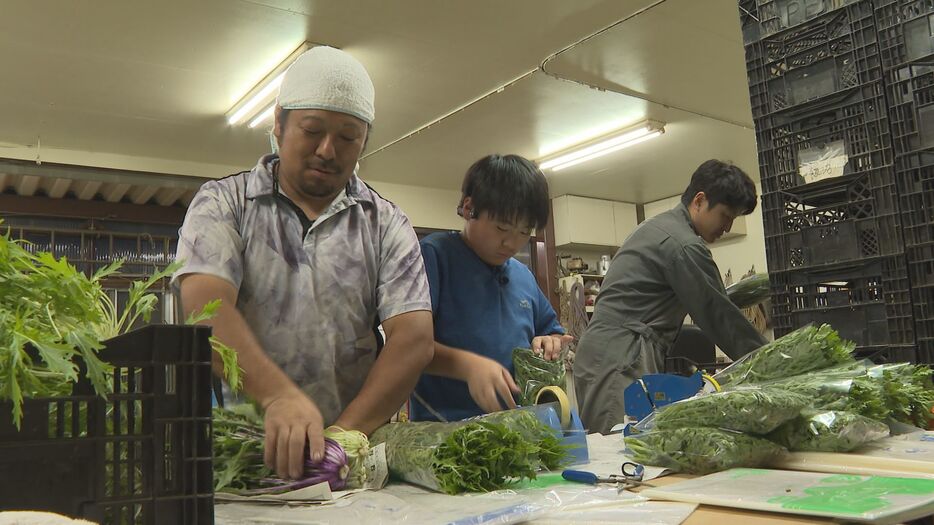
(469, 456)
(51, 315)
(698, 450)
(533, 373)
(749, 291)
(804, 350)
(828, 431)
(754, 410)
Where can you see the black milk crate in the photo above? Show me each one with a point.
(837, 221)
(904, 31)
(915, 180)
(846, 134)
(926, 351)
(868, 302)
(142, 456)
(761, 18)
(890, 354)
(911, 107)
(829, 54)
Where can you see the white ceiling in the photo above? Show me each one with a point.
(148, 83)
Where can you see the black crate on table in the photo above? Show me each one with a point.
(889, 354)
(915, 181)
(868, 302)
(762, 18)
(904, 31)
(840, 220)
(846, 134)
(142, 456)
(831, 53)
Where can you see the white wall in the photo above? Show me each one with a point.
(738, 254)
(426, 207)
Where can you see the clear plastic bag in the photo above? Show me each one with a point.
(829, 431)
(754, 410)
(697, 450)
(806, 349)
(534, 373)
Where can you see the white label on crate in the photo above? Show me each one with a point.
(822, 163)
(377, 470)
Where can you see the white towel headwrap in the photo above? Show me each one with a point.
(328, 78)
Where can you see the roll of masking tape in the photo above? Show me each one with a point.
(554, 394)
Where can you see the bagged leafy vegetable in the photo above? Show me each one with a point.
(238, 457)
(469, 456)
(755, 410)
(698, 450)
(804, 350)
(534, 373)
(749, 291)
(845, 388)
(829, 431)
(909, 393)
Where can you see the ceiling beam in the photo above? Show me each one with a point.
(27, 185)
(168, 196)
(89, 189)
(90, 209)
(115, 192)
(142, 194)
(106, 175)
(59, 188)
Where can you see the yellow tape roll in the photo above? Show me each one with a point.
(555, 394)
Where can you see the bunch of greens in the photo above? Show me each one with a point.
(699, 450)
(909, 393)
(754, 410)
(749, 291)
(469, 456)
(534, 373)
(828, 431)
(846, 388)
(52, 316)
(804, 350)
(238, 456)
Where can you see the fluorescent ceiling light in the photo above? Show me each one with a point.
(264, 93)
(604, 146)
(263, 116)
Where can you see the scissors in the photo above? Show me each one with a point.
(632, 476)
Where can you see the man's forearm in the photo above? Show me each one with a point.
(449, 362)
(389, 384)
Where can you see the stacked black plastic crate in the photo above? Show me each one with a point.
(830, 200)
(906, 44)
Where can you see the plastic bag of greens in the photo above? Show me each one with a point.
(829, 431)
(804, 350)
(534, 373)
(908, 392)
(755, 410)
(469, 456)
(749, 291)
(697, 450)
(860, 393)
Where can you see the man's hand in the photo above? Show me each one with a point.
(549, 346)
(487, 379)
(291, 421)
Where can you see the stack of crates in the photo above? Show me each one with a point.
(906, 45)
(830, 203)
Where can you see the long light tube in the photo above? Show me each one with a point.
(630, 138)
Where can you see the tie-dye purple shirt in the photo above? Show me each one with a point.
(310, 301)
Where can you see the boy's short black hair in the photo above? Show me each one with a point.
(722, 183)
(510, 188)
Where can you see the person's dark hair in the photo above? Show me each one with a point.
(508, 187)
(722, 183)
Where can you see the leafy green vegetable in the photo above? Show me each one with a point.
(697, 450)
(480, 455)
(534, 373)
(755, 410)
(909, 393)
(238, 450)
(829, 431)
(232, 371)
(846, 388)
(552, 453)
(749, 291)
(806, 349)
